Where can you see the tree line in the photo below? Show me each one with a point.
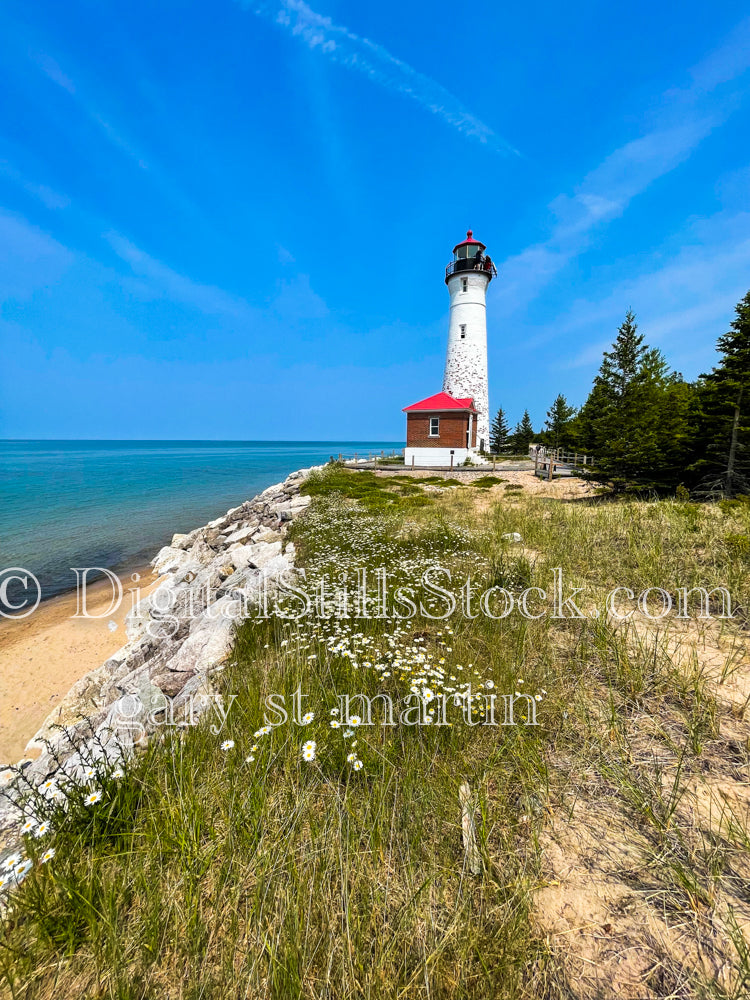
(647, 428)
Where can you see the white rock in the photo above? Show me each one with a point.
(170, 560)
(241, 535)
(257, 554)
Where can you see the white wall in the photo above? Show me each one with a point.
(434, 456)
(466, 359)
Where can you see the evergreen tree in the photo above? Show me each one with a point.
(523, 434)
(722, 464)
(557, 424)
(636, 419)
(499, 432)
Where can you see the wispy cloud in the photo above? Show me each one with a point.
(341, 45)
(161, 280)
(684, 119)
(45, 194)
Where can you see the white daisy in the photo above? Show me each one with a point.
(227, 745)
(92, 798)
(308, 750)
(307, 718)
(118, 773)
(12, 862)
(351, 758)
(348, 733)
(28, 826)
(335, 724)
(42, 830)
(250, 759)
(357, 765)
(48, 855)
(354, 720)
(23, 870)
(262, 731)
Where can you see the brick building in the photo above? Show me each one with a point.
(440, 430)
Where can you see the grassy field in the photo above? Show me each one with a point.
(602, 852)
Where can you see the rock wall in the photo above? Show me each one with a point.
(178, 636)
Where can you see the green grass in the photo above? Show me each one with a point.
(201, 874)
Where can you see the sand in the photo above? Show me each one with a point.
(42, 656)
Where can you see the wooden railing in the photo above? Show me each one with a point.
(546, 460)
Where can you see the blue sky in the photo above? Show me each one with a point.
(230, 220)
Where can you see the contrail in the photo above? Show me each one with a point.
(372, 60)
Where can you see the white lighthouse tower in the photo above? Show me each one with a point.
(467, 278)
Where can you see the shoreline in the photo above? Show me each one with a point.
(59, 670)
(42, 656)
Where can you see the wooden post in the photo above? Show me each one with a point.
(451, 461)
(493, 463)
(412, 461)
(549, 470)
(536, 462)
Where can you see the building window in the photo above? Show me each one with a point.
(464, 284)
(463, 331)
(434, 427)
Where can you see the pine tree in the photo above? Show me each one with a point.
(499, 432)
(722, 463)
(558, 420)
(636, 419)
(523, 434)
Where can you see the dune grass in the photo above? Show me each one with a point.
(249, 871)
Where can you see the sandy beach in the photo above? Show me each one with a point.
(42, 656)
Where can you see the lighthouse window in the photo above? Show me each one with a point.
(463, 331)
(434, 427)
(464, 284)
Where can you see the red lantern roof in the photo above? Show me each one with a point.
(470, 241)
(442, 401)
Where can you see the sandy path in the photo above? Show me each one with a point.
(42, 656)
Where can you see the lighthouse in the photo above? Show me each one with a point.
(467, 277)
(451, 427)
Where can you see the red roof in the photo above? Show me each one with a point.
(442, 401)
(469, 240)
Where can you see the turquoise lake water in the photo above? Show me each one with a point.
(115, 503)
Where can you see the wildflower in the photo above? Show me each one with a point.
(42, 830)
(351, 758)
(89, 773)
(227, 745)
(357, 765)
(23, 870)
(12, 861)
(308, 750)
(348, 733)
(250, 759)
(489, 684)
(118, 773)
(263, 731)
(253, 748)
(354, 720)
(334, 711)
(48, 855)
(335, 724)
(48, 788)
(92, 798)
(307, 718)
(28, 826)
(5, 881)
(520, 680)
(537, 697)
